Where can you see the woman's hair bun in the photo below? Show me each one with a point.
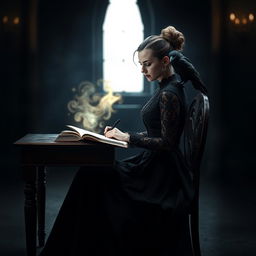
(174, 37)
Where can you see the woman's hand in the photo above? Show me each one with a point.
(116, 134)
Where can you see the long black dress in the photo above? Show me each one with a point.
(135, 207)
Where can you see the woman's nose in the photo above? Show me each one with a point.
(143, 70)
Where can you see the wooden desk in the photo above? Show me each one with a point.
(40, 150)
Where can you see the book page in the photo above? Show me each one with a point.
(82, 132)
(69, 132)
(85, 133)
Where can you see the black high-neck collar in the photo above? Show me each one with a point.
(167, 80)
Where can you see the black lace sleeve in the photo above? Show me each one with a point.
(170, 119)
(138, 135)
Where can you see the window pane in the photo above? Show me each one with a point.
(122, 33)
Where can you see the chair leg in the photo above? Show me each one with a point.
(194, 233)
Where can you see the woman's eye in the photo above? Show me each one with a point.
(147, 64)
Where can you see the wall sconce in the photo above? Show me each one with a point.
(14, 21)
(241, 19)
(5, 19)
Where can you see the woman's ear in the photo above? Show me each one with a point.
(166, 60)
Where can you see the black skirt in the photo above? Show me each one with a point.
(98, 217)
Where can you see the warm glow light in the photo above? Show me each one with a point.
(5, 19)
(237, 21)
(90, 108)
(232, 16)
(244, 21)
(251, 17)
(16, 20)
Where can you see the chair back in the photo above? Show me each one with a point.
(195, 132)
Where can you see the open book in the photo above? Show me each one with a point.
(78, 134)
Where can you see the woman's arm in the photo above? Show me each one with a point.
(139, 134)
(170, 119)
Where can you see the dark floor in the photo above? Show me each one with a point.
(227, 219)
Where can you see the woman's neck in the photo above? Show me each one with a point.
(169, 72)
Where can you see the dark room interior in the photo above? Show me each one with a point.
(50, 47)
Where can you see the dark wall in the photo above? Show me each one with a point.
(236, 55)
(14, 78)
(64, 57)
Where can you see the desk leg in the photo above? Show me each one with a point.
(30, 208)
(41, 204)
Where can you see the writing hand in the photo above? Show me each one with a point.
(116, 134)
(108, 128)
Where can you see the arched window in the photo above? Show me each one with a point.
(123, 31)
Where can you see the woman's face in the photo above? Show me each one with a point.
(152, 67)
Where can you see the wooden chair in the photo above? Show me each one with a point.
(195, 133)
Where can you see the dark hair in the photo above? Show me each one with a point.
(169, 39)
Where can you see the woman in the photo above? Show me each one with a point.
(135, 207)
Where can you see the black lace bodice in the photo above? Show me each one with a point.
(163, 116)
(159, 174)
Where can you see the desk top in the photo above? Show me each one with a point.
(49, 139)
(41, 149)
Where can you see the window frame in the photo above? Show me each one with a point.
(99, 11)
